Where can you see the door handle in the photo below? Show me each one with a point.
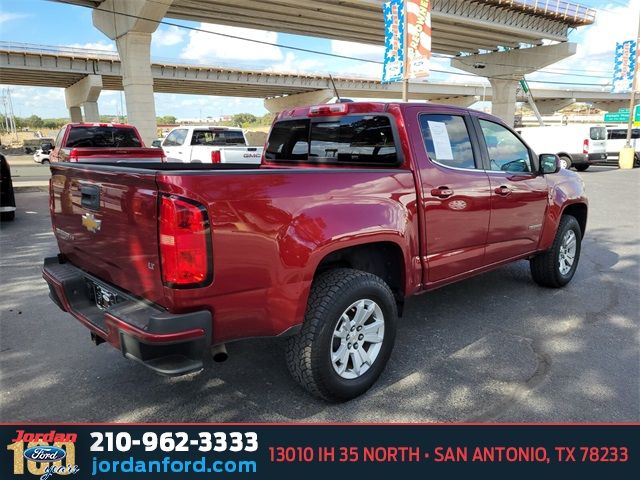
(503, 190)
(442, 192)
(90, 197)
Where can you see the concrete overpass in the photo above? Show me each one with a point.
(460, 27)
(63, 67)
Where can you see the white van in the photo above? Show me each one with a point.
(617, 139)
(576, 145)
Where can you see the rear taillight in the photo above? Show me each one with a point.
(585, 146)
(216, 156)
(73, 155)
(185, 244)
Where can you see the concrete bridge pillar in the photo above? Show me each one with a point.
(76, 114)
(505, 69)
(84, 93)
(91, 113)
(121, 20)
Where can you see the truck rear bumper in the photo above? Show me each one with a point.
(169, 344)
(587, 159)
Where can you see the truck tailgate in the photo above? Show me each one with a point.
(241, 154)
(106, 224)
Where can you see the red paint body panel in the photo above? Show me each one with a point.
(271, 227)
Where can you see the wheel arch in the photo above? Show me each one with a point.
(384, 259)
(579, 211)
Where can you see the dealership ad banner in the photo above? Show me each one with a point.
(273, 451)
(418, 38)
(624, 66)
(394, 24)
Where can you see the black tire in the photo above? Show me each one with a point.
(568, 160)
(309, 352)
(45, 162)
(582, 167)
(636, 160)
(545, 268)
(7, 216)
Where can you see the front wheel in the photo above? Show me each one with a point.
(582, 167)
(556, 267)
(347, 335)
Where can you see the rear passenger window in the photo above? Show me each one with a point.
(446, 140)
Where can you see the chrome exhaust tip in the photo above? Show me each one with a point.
(219, 353)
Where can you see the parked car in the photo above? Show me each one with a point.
(7, 196)
(41, 155)
(355, 207)
(577, 145)
(617, 139)
(102, 142)
(206, 144)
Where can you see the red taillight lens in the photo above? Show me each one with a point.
(73, 155)
(184, 243)
(585, 146)
(216, 156)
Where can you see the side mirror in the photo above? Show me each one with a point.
(549, 163)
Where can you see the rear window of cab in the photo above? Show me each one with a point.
(102, 136)
(351, 139)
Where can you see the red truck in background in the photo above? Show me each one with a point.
(102, 142)
(355, 207)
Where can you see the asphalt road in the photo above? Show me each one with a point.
(493, 348)
(24, 169)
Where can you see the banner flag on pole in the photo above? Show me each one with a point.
(625, 64)
(418, 37)
(394, 22)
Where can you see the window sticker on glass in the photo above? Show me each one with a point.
(441, 141)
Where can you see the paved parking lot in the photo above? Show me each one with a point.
(493, 348)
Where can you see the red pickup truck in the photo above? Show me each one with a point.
(355, 207)
(102, 142)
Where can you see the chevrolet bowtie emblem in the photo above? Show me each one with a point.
(90, 223)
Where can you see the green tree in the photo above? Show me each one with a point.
(34, 121)
(167, 120)
(244, 119)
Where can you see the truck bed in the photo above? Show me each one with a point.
(269, 228)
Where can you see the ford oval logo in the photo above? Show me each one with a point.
(44, 454)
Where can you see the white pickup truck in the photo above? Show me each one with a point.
(209, 144)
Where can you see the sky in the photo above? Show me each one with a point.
(51, 23)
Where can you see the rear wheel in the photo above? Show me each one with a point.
(565, 162)
(347, 335)
(636, 161)
(556, 267)
(582, 167)
(45, 162)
